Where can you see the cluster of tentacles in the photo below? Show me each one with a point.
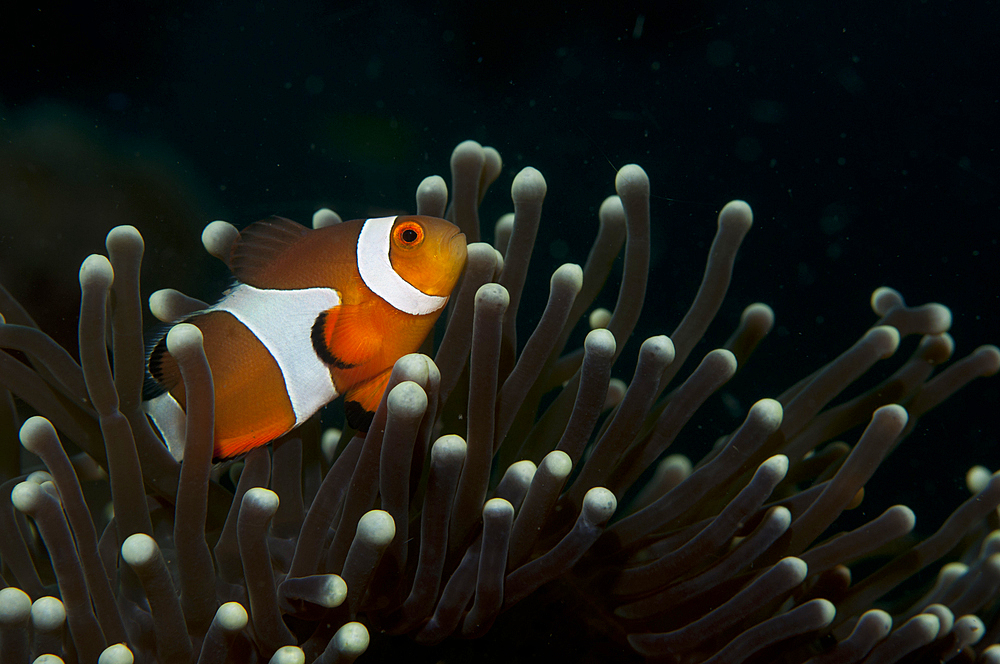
(467, 497)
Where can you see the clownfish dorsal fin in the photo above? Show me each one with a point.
(345, 337)
(362, 400)
(259, 244)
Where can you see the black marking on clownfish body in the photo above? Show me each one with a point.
(319, 344)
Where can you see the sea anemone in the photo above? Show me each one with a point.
(501, 482)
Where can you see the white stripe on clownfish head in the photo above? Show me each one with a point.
(378, 274)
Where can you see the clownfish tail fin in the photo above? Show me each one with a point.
(150, 388)
(164, 374)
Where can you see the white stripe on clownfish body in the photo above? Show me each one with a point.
(169, 419)
(282, 321)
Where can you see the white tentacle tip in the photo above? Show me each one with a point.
(324, 217)
(528, 185)
(118, 653)
(262, 500)
(632, 181)
(599, 505)
(376, 527)
(218, 238)
(139, 550)
(184, 338)
(232, 617)
(35, 432)
(736, 212)
(96, 272)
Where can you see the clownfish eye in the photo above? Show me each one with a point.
(409, 234)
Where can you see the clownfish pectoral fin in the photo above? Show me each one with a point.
(259, 244)
(345, 337)
(361, 401)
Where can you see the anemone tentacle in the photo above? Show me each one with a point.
(493, 477)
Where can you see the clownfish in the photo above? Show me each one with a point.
(315, 314)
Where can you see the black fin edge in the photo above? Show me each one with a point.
(357, 416)
(319, 345)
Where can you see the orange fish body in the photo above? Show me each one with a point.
(316, 314)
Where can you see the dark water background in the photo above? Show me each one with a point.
(864, 135)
